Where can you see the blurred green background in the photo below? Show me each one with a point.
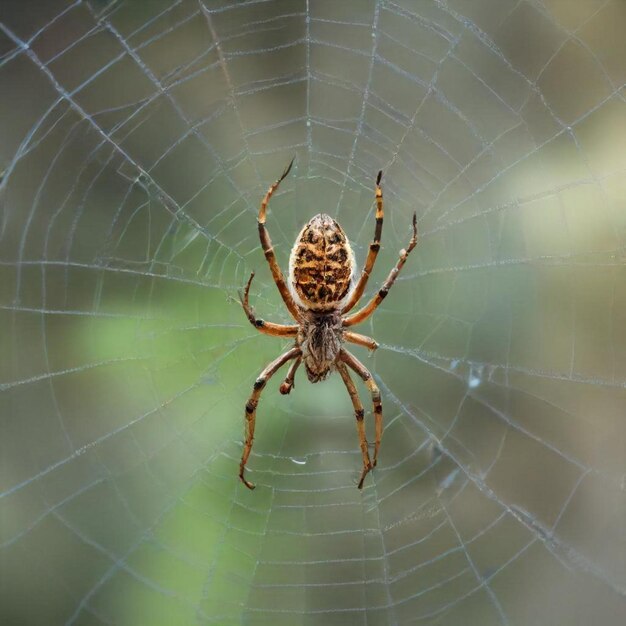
(137, 139)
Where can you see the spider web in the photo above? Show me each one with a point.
(137, 142)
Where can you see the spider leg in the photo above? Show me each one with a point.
(361, 340)
(353, 363)
(266, 244)
(355, 296)
(359, 414)
(287, 385)
(267, 328)
(372, 305)
(252, 403)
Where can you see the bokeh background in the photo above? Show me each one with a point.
(136, 141)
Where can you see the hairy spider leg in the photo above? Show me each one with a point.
(288, 384)
(353, 363)
(355, 296)
(372, 305)
(267, 328)
(359, 413)
(361, 340)
(266, 244)
(252, 403)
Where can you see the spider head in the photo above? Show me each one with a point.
(321, 265)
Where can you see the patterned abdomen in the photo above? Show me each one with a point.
(321, 264)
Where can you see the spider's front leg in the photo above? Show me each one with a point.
(360, 416)
(252, 403)
(354, 364)
(288, 384)
(267, 328)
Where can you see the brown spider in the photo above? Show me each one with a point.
(320, 293)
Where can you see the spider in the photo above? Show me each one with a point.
(320, 294)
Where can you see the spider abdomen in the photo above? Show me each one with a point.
(321, 264)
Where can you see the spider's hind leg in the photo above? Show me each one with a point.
(268, 249)
(372, 305)
(267, 328)
(373, 250)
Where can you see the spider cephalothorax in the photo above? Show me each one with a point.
(320, 337)
(319, 295)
